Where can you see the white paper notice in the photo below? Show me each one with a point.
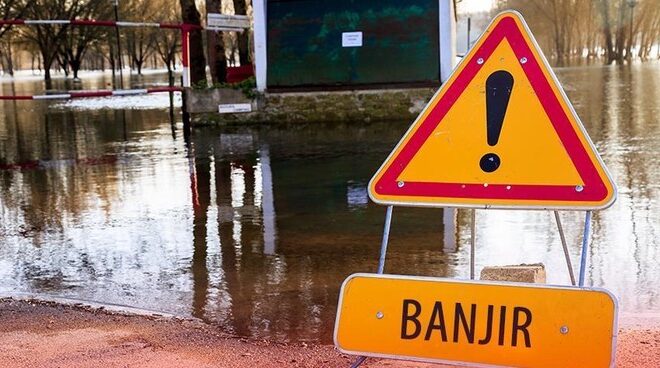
(233, 108)
(351, 39)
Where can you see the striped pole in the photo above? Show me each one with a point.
(95, 23)
(86, 94)
(185, 56)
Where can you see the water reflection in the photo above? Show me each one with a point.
(278, 276)
(254, 228)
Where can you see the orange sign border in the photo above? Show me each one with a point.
(615, 324)
(599, 191)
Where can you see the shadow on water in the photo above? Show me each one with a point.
(254, 228)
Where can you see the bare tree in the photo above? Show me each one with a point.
(140, 42)
(77, 40)
(12, 9)
(6, 53)
(647, 31)
(167, 43)
(48, 37)
(9, 9)
(576, 28)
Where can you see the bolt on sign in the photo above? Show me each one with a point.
(449, 321)
(500, 133)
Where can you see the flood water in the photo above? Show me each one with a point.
(253, 229)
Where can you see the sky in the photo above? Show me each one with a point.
(472, 6)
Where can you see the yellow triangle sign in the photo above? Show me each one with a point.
(500, 133)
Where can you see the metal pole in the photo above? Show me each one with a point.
(473, 236)
(467, 47)
(259, 37)
(121, 67)
(449, 229)
(585, 242)
(386, 239)
(381, 263)
(359, 361)
(565, 246)
(446, 38)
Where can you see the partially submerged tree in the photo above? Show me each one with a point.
(78, 39)
(168, 42)
(140, 41)
(49, 37)
(574, 28)
(10, 9)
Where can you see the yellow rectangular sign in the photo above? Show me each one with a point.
(490, 324)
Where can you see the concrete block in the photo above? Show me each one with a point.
(311, 107)
(207, 100)
(530, 273)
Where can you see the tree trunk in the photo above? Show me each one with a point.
(47, 79)
(10, 59)
(217, 58)
(190, 15)
(170, 74)
(607, 30)
(240, 8)
(47, 63)
(75, 66)
(642, 47)
(620, 31)
(216, 47)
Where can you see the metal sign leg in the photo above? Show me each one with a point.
(386, 239)
(565, 246)
(473, 235)
(585, 243)
(449, 229)
(381, 262)
(359, 361)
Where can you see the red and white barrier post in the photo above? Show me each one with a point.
(99, 93)
(185, 56)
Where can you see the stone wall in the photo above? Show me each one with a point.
(293, 107)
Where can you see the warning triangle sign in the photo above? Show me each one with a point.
(500, 133)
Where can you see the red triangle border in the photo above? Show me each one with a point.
(594, 188)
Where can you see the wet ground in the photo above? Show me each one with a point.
(89, 337)
(253, 229)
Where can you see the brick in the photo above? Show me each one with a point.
(530, 273)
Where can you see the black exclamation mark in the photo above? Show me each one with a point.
(498, 90)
